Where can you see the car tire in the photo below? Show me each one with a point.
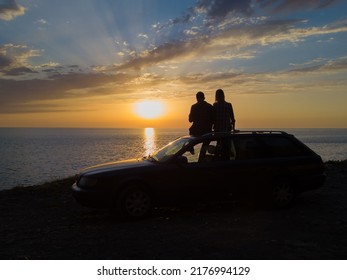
(282, 194)
(134, 203)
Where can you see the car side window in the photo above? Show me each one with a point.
(248, 147)
(214, 150)
(217, 150)
(208, 151)
(192, 154)
(202, 152)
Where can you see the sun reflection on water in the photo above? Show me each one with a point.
(149, 141)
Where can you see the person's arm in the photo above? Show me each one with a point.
(191, 116)
(232, 118)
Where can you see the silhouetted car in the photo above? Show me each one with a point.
(272, 166)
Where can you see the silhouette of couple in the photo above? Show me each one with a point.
(205, 117)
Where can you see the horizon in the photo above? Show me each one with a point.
(129, 64)
(175, 128)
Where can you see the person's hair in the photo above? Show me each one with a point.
(219, 95)
(200, 96)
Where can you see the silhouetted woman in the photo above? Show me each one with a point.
(223, 112)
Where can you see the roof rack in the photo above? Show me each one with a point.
(249, 132)
(260, 131)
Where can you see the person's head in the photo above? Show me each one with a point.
(200, 96)
(219, 95)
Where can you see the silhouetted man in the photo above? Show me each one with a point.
(201, 115)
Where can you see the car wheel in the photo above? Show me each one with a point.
(134, 203)
(282, 194)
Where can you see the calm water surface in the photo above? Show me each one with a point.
(35, 155)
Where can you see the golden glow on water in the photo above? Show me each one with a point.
(149, 140)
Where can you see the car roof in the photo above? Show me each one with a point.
(209, 135)
(247, 132)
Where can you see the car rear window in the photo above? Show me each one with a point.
(267, 146)
(282, 147)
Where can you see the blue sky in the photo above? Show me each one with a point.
(282, 63)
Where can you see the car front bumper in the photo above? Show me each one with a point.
(91, 198)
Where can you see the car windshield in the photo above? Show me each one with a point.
(170, 149)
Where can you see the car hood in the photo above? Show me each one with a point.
(117, 165)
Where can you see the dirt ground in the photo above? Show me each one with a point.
(46, 223)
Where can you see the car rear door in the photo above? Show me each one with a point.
(250, 165)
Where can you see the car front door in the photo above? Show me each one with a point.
(210, 171)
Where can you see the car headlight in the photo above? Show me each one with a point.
(87, 182)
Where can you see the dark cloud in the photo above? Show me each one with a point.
(6, 64)
(184, 19)
(14, 60)
(4, 61)
(330, 66)
(9, 9)
(21, 95)
(339, 64)
(218, 9)
(215, 10)
(293, 5)
(306, 69)
(51, 70)
(34, 108)
(18, 71)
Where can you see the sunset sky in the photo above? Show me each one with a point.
(88, 63)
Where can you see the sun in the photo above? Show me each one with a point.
(149, 109)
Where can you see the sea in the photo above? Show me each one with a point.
(30, 156)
